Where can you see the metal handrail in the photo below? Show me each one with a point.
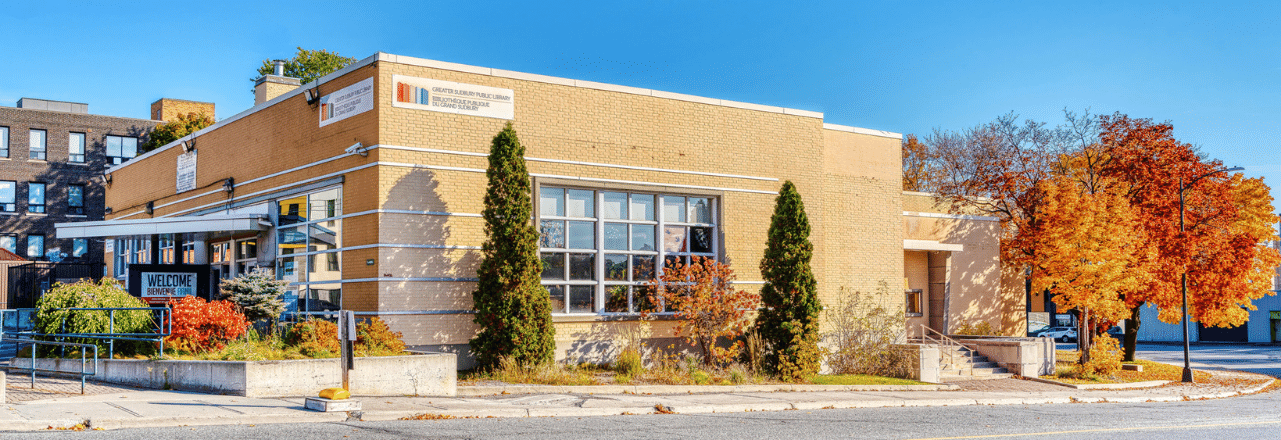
(943, 340)
(164, 327)
(83, 360)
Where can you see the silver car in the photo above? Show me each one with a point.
(1061, 334)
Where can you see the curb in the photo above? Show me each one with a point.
(1102, 386)
(480, 391)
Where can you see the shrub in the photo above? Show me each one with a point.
(52, 316)
(257, 294)
(1105, 357)
(314, 337)
(374, 338)
(513, 309)
(199, 326)
(790, 293)
(801, 359)
(863, 334)
(629, 362)
(707, 306)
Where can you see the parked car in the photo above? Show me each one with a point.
(1117, 333)
(1061, 334)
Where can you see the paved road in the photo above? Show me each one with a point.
(1262, 359)
(1235, 418)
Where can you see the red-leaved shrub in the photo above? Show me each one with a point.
(199, 326)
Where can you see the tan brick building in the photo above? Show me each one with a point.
(365, 188)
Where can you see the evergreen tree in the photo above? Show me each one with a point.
(512, 307)
(788, 320)
(257, 295)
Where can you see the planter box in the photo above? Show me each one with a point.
(432, 374)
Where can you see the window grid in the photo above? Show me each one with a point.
(35, 247)
(8, 196)
(121, 149)
(4, 142)
(75, 199)
(637, 250)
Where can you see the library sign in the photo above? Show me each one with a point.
(168, 284)
(452, 97)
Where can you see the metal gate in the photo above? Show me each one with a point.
(29, 281)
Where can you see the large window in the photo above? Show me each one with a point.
(600, 247)
(75, 199)
(121, 149)
(131, 251)
(9, 242)
(308, 236)
(35, 247)
(38, 141)
(76, 148)
(79, 247)
(35, 197)
(8, 196)
(4, 141)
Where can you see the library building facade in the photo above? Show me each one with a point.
(364, 190)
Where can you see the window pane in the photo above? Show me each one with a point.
(323, 298)
(37, 140)
(293, 210)
(616, 299)
(643, 299)
(580, 203)
(291, 239)
(8, 191)
(700, 240)
(75, 195)
(129, 147)
(643, 237)
(674, 239)
(9, 243)
(643, 267)
(553, 265)
(582, 267)
(615, 207)
(551, 201)
(113, 146)
(324, 205)
(582, 235)
(35, 246)
(35, 193)
(322, 236)
(615, 267)
(553, 232)
(246, 249)
(673, 209)
(76, 147)
(4, 141)
(582, 299)
(700, 210)
(615, 237)
(558, 298)
(642, 207)
(292, 269)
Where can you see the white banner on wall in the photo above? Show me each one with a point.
(347, 102)
(452, 97)
(186, 180)
(168, 284)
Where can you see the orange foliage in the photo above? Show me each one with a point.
(199, 326)
(707, 305)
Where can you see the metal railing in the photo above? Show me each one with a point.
(160, 316)
(83, 373)
(946, 344)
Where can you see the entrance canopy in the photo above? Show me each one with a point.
(917, 245)
(171, 225)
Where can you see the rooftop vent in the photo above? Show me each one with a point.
(54, 106)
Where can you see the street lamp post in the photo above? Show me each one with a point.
(1187, 361)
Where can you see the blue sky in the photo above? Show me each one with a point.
(1211, 69)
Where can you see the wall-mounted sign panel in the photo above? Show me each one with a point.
(451, 97)
(160, 283)
(347, 102)
(186, 180)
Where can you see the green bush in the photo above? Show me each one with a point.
(257, 295)
(789, 298)
(52, 316)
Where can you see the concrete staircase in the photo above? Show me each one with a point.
(961, 363)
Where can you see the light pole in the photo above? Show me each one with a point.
(1187, 362)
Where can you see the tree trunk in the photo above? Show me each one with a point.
(1131, 341)
(1083, 336)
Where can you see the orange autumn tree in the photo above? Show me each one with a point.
(709, 309)
(1090, 251)
(1226, 224)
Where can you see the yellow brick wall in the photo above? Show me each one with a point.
(166, 109)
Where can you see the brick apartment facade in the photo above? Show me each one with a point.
(60, 146)
(368, 196)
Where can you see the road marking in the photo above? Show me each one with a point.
(1214, 425)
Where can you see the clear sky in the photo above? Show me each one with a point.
(1211, 68)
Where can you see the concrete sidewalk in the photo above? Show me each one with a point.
(149, 408)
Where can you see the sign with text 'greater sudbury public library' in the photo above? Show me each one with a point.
(347, 102)
(452, 97)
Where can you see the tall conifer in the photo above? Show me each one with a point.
(512, 307)
(788, 320)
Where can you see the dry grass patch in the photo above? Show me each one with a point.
(1068, 371)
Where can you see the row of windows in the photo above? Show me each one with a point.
(119, 148)
(36, 195)
(35, 248)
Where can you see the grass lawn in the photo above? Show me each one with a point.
(1066, 371)
(861, 379)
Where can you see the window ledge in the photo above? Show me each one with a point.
(39, 214)
(608, 318)
(77, 216)
(80, 164)
(38, 160)
(914, 315)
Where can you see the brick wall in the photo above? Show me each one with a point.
(167, 109)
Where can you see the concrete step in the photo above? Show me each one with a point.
(956, 378)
